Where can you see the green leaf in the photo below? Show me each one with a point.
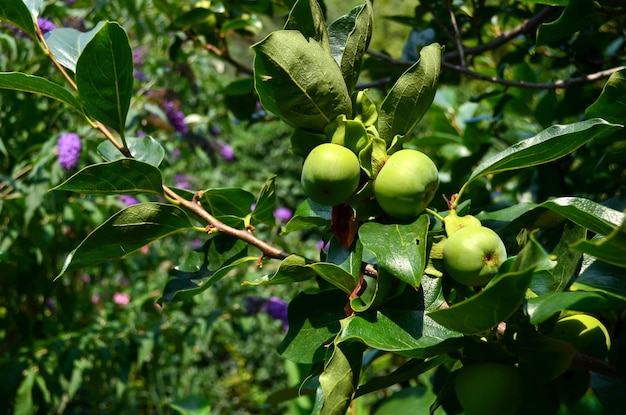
(291, 269)
(339, 379)
(407, 332)
(350, 36)
(192, 405)
(124, 176)
(66, 44)
(586, 213)
(549, 145)
(233, 202)
(307, 17)
(18, 81)
(541, 308)
(17, 13)
(299, 81)
(309, 215)
(611, 104)
(145, 149)
(335, 275)
(599, 276)
(576, 16)
(204, 267)
(104, 76)
(499, 299)
(400, 249)
(313, 323)
(611, 249)
(265, 203)
(126, 232)
(411, 96)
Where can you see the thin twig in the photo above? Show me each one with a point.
(457, 36)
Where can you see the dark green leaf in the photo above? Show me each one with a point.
(17, 13)
(576, 15)
(541, 308)
(227, 202)
(145, 149)
(192, 405)
(265, 204)
(313, 323)
(307, 17)
(104, 76)
(335, 275)
(292, 269)
(309, 215)
(350, 36)
(611, 104)
(406, 332)
(299, 81)
(205, 266)
(36, 85)
(611, 249)
(124, 176)
(411, 96)
(599, 276)
(549, 145)
(66, 44)
(126, 232)
(400, 249)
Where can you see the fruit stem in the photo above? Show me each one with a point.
(435, 214)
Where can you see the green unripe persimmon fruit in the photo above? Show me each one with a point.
(586, 333)
(489, 388)
(454, 222)
(406, 184)
(473, 254)
(330, 174)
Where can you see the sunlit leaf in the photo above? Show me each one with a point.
(145, 149)
(18, 13)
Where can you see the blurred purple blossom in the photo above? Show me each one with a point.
(128, 200)
(95, 299)
(214, 130)
(283, 214)
(196, 243)
(140, 76)
(227, 152)
(176, 153)
(52, 305)
(277, 309)
(252, 207)
(141, 133)
(45, 25)
(181, 181)
(68, 146)
(323, 246)
(139, 54)
(70, 2)
(175, 117)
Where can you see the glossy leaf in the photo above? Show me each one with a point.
(125, 176)
(411, 96)
(126, 232)
(406, 332)
(400, 249)
(549, 145)
(307, 17)
(309, 215)
(586, 213)
(499, 299)
(33, 84)
(67, 43)
(576, 16)
(145, 149)
(313, 323)
(227, 202)
(18, 13)
(339, 379)
(104, 76)
(192, 405)
(292, 269)
(335, 275)
(611, 249)
(265, 203)
(299, 81)
(350, 36)
(599, 276)
(541, 308)
(204, 267)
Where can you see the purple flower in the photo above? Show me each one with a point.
(227, 152)
(283, 214)
(323, 246)
(45, 25)
(128, 200)
(139, 54)
(181, 181)
(140, 76)
(70, 2)
(68, 146)
(214, 130)
(176, 118)
(277, 309)
(121, 299)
